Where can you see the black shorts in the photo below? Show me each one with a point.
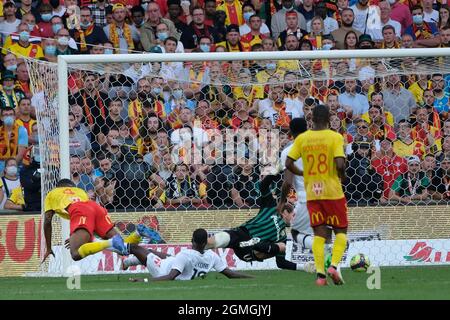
(238, 235)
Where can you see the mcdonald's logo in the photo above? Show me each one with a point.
(316, 217)
(82, 220)
(333, 220)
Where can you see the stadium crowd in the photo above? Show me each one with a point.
(128, 124)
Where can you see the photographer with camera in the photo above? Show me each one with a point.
(105, 185)
(363, 182)
(440, 184)
(183, 191)
(132, 189)
(30, 179)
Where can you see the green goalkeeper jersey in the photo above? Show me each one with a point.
(267, 225)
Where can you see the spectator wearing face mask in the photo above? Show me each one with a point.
(62, 42)
(14, 146)
(424, 34)
(30, 179)
(248, 10)
(45, 25)
(10, 180)
(89, 33)
(24, 47)
(9, 96)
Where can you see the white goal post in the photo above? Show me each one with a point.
(67, 61)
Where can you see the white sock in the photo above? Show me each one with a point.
(306, 240)
(131, 261)
(301, 266)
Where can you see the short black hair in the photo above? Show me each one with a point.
(321, 114)
(65, 183)
(200, 237)
(137, 9)
(298, 126)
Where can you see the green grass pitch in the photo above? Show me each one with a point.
(396, 283)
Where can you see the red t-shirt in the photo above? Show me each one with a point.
(389, 169)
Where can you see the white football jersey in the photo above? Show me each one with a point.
(192, 263)
(299, 183)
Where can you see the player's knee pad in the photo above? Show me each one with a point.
(222, 239)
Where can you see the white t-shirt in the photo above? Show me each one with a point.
(11, 184)
(189, 262)
(244, 29)
(6, 28)
(294, 109)
(431, 17)
(377, 34)
(330, 24)
(299, 182)
(367, 18)
(200, 137)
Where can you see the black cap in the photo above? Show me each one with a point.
(233, 28)
(365, 37)
(7, 74)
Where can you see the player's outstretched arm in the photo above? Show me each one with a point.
(235, 275)
(290, 165)
(171, 276)
(48, 234)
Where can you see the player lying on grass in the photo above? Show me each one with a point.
(264, 236)
(188, 264)
(86, 217)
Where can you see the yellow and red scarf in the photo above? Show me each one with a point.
(9, 143)
(283, 118)
(87, 109)
(83, 34)
(234, 13)
(114, 36)
(396, 45)
(422, 33)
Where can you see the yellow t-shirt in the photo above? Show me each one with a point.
(235, 8)
(16, 196)
(60, 198)
(257, 92)
(417, 91)
(388, 116)
(318, 150)
(403, 150)
(289, 65)
(32, 51)
(263, 77)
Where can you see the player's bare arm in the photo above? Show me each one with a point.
(171, 276)
(235, 275)
(48, 234)
(340, 167)
(290, 165)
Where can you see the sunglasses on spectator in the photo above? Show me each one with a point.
(363, 127)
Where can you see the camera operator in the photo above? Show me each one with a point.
(132, 185)
(30, 179)
(363, 183)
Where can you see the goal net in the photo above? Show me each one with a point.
(179, 142)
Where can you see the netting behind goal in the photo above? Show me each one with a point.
(181, 145)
